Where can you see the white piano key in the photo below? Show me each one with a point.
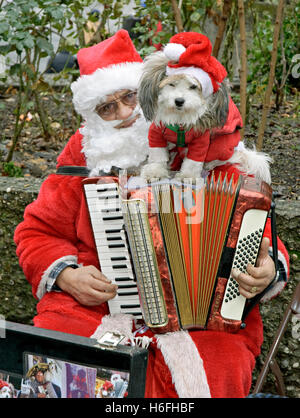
(110, 244)
(109, 270)
(100, 186)
(129, 298)
(98, 205)
(108, 225)
(116, 265)
(112, 257)
(96, 192)
(113, 199)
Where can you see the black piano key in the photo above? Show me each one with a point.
(110, 210)
(127, 294)
(112, 218)
(123, 279)
(116, 246)
(127, 286)
(134, 313)
(118, 258)
(113, 196)
(106, 189)
(112, 231)
(114, 238)
(120, 266)
(129, 306)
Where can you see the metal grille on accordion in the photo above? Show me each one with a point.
(181, 241)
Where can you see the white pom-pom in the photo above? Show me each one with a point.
(173, 51)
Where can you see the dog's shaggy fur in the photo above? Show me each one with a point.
(178, 100)
(157, 94)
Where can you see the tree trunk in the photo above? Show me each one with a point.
(268, 92)
(177, 16)
(243, 70)
(221, 27)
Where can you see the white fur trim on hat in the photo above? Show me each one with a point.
(173, 51)
(90, 90)
(196, 72)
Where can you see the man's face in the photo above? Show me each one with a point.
(40, 377)
(119, 106)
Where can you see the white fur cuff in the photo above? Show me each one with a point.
(158, 155)
(190, 169)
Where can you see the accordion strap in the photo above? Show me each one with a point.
(73, 170)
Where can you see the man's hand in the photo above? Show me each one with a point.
(87, 285)
(257, 278)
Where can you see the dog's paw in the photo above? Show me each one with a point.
(190, 170)
(184, 177)
(154, 171)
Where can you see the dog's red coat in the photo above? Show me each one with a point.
(205, 147)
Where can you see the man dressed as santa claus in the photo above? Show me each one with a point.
(56, 248)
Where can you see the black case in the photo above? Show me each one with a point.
(17, 339)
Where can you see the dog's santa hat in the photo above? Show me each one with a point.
(3, 384)
(190, 53)
(113, 64)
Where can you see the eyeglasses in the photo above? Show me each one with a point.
(108, 109)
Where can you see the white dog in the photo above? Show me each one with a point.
(187, 115)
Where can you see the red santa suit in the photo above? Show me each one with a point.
(56, 226)
(56, 229)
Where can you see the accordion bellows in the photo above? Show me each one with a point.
(184, 240)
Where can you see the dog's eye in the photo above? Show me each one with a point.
(171, 84)
(193, 87)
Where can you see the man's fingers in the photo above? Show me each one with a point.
(263, 251)
(96, 273)
(103, 285)
(249, 286)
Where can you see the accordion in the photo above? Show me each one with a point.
(170, 247)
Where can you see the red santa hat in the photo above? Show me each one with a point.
(3, 384)
(107, 385)
(113, 64)
(190, 53)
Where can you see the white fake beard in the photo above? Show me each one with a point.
(104, 146)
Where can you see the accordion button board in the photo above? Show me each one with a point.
(247, 248)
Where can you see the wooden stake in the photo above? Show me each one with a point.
(266, 106)
(221, 27)
(177, 16)
(243, 70)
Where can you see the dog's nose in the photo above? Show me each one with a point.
(179, 101)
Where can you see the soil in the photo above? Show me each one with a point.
(37, 156)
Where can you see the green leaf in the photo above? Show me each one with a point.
(4, 27)
(44, 45)
(195, 17)
(28, 42)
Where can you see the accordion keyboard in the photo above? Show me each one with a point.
(247, 248)
(107, 221)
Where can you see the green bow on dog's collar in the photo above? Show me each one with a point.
(180, 134)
